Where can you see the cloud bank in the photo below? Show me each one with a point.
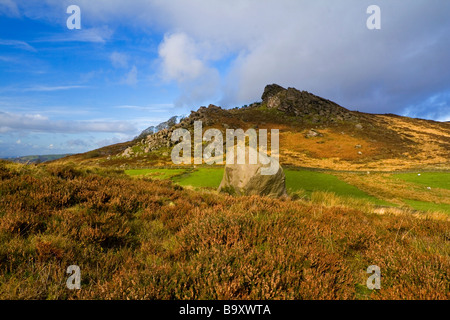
(227, 51)
(14, 122)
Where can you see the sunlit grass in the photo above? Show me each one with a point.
(428, 206)
(311, 181)
(427, 179)
(202, 177)
(331, 189)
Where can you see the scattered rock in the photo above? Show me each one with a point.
(358, 146)
(360, 153)
(359, 126)
(313, 133)
(127, 152)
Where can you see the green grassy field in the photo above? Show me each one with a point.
(432, 181)
(427, 179)
(311, 181)
(304, 181)
(428, 206)
(201, 178)
(307, 182)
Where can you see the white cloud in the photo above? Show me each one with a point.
(320, 46)
(95, 35)
(8, 7)
(131, 77)
(40, 88)
(323, 47)
(119, 60)
(113, 140)
(52, 88)
(184, 61)
(76, 143)
(163, 107)
(17, 44)
(13, 122)
(180, 58)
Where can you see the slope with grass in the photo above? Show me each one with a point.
(299, 183)
(155, 173)
(439, 180)
(409, 190)
(152, 239)
(428, 191)
(346, 140)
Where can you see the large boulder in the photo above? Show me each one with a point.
(246, 179)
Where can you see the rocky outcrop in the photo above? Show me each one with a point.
(304, 104)
(163, 132)
(292, 102)
(271, 90)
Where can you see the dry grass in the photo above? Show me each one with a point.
(388, 142)
(145, 239)
(332, 145)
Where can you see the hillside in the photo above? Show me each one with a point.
(314, 132)
(150, 239)
(140, 231)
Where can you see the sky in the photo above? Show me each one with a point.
(136, 63)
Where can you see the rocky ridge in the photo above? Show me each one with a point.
(290, 102)
(302, 104)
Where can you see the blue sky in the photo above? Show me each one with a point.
(137, 63)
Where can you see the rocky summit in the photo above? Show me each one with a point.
(302, 103)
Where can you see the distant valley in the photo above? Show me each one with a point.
(37, 158)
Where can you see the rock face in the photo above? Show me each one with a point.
(246, 179)
(304, 104)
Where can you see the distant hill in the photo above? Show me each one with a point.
(314, 132)
(37, 158)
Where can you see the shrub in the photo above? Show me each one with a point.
(148, 239)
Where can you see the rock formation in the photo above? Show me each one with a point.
(304, 104)
(246, 179)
